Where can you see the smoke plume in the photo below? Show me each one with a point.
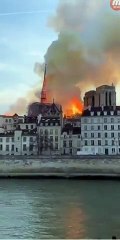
(86, 53)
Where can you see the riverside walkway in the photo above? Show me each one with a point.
(59, 166)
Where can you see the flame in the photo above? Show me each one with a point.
(75, 107)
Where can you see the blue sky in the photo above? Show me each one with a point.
(24, 39)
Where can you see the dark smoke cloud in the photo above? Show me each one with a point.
(86, 53)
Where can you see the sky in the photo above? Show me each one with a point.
(24, 38)
(27, 30)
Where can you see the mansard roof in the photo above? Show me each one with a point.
(115, 110)
(7, 134)
(50, 121)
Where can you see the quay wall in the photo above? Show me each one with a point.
(60, 166)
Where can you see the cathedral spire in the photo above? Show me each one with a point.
(43, 92)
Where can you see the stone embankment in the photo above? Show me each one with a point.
(60, 166)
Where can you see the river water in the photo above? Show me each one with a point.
(59, 208)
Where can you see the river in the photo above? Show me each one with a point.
(43, 208)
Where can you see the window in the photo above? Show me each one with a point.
(56, 131)
(51, 131)
(51, 138)
(6, 120)
(98, 127)
(46, 124)
(113, 142)
(105, 120)
(70, 143)
(18, 138)
(64, 143)
(106, 135)
(31, 147)
(112, 120)
(118, 135)
(56, 138)
(119, 142)
(12, 148)
(113, 150)
(24, 147)
(31, 126)
(85, 127)
(56, 146)
(92, 135)
(99, 142)
(119, 119)
(24, 139)
(12, 139)
(105, 127)
(0, 139)
(9, 120)
(46, 131)
(92, 128)
(70, 151)
(92, 119)
(31, 139)
(112, 135)
(16, 149)
(7, 147)
(1, 147)
(85, 120)
(56, 124)
(7, 139)
(99, 135)
(118, 127)
(92, 142)
(106, 142)
(26, 126)
(112, 127)
(86, 142)
(85, 135)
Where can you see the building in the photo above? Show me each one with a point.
(100, 130)
(9, 123)
(18, 142)
(49, 135)
(75, 120)
(70, 140)
(103, 96)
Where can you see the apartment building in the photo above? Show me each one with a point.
(70, 140)
(100, 130)
(49, 134)
(18, 142)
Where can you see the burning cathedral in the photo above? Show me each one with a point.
(45, 108)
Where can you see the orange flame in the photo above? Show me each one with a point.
(75, 107)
